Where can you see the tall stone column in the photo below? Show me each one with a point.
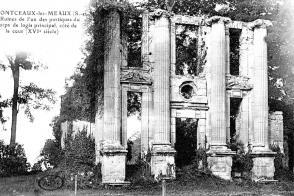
(162, 153)
(218, 85)
(263, 161)
(113, 154)
(219, 160)
(260, 79)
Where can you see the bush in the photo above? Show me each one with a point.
(242, 161)
(79, 159)
(13, 161)
(51, 153)
(282, 173)
(37, 167)
(140, 173)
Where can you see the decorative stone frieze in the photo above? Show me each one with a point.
(216, 19)
(236, 24)
(135, 76)
(158, 13)
(190, 20)
(238, 82)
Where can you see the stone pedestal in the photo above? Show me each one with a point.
(163, 161)
(220, 165)
(220, 161)
(113, 166)
(263, 165)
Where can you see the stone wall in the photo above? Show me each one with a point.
(76, 126)
(276, 135)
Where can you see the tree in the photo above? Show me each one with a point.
(13, 160)
(3, 104)
(30, 96)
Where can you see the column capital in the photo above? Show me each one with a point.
(217, 19)
(158, 13)
(259, 23)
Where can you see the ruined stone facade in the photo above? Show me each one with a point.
(205, 96)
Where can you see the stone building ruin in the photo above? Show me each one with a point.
(211, 93)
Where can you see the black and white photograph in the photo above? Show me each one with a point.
(147, 97)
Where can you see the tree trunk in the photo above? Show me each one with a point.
(15, 73)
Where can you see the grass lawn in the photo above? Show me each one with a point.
(201, 185)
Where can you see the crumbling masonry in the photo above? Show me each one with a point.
(205, 96)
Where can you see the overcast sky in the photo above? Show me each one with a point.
(60, 53)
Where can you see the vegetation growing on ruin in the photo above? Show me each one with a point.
(84, 98)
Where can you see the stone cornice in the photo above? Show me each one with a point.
(259, 23)
(216, 19)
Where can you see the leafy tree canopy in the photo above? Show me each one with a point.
(28, 96)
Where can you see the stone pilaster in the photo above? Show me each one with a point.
(244, 125)
(227, 64)
(276, 135)
(98, 136)
(146, 104)
(124, 112)
(250, 59)
(113, 154)
(162, 152)
(219, 160)
(263, 158)
(244, 71)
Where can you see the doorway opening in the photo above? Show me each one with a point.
(235, 117)
(186, 141)
(134, 127)
(133, 132)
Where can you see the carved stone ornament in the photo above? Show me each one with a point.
(136, 77)
(159, 13)
(216, 19)
(238, 82)
(259, 23)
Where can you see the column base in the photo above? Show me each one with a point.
(219, 159)
(163, 161)
(263, 165)
(113, 166)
